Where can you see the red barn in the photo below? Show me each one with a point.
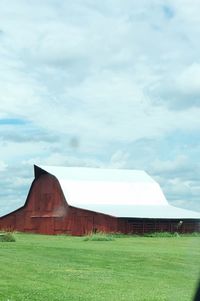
(79, 200)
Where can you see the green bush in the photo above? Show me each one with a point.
(7, 237)
(99, 236)
(193, 234)
(161, 234)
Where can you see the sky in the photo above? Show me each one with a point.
(110, 83)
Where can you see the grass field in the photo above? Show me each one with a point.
(42, 268)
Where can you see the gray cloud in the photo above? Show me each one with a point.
(31, 135)
(182, 90)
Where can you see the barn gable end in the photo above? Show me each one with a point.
(44, 206)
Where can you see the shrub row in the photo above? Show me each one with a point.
(102, 236)
(7, 237)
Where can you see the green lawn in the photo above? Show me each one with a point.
(48, 268)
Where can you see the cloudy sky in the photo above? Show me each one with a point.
(101, 83)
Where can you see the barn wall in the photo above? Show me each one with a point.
(47, 212)
(82, 222)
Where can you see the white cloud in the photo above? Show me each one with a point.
(3, 166)
(119, 160)
(188, 82)
(169, 166)
(179, 179)
(104, 75)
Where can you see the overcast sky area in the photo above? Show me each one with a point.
(104, 84)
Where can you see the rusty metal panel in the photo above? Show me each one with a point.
(19, 220)
(45, 225)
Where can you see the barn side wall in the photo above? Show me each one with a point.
(142, 226)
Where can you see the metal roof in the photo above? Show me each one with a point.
(117, 192)
(144, 211)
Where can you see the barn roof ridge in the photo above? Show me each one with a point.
(107, 174)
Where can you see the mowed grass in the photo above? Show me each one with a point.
(39, 267)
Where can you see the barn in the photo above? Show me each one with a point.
(80, 200)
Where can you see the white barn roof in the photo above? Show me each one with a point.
(117, 192)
